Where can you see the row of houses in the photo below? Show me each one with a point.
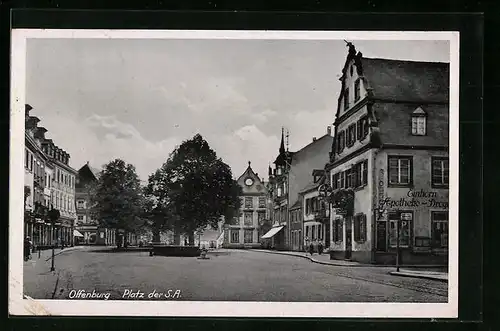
(385, 167)
(52, 185)
(49, 185)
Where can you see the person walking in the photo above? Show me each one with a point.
(311, 248)
(320, 247)
(27, 248)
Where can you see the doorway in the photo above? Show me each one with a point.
(348, 238)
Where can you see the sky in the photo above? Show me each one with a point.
(137, 99)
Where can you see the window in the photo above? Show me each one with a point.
(338, 234)
(307, 232)
(261, 216)
(419, 122)
(404, 229)
(360, 228)
(248, 202)
(31, 162)
(26, 159)
(248, 220)
(360, 174)
(320, 232)
(80, 204)
(349, 178)
(362, 128)
(341, 141)
(235, 236)
(351, 135)
(248, 236)
(400, 170)
(440, 171)
(80, 217)
(313, 230)
(439, 229)
(262, 202)
(342, 179)
(346, 99)
(357, 90)
(351, 70)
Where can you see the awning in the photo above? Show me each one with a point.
(77, 233)
(272, 232)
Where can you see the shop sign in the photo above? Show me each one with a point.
(415, 199)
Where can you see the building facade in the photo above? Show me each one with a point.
(292, 173)
(315, 213)
(91, 233)
(389, 163)
(245, 232)
(49, 184)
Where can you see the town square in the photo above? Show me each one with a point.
(237, 170)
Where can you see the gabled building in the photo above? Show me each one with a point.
(244, 230)
(89, 230)
(291, 174)
(389, 163)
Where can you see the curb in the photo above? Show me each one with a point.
(357, 265)
(69, 249)
(317, 261)
(405, 274)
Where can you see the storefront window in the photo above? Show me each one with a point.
(404, 230)
(440, 229)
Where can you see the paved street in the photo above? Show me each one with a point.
(228, 275)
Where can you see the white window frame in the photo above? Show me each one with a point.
(399, 167)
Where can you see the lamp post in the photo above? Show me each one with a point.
(397, 241)
(53, 217)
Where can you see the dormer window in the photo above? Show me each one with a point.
(419, 122)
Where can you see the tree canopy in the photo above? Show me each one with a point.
(118, 198)
(193, 189)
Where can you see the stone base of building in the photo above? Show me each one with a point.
(411, 258)
(389, 258)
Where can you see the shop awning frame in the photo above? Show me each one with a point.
(77, 233)
(271, 233)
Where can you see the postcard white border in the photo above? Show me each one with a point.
(20, 306)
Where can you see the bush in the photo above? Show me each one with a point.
(176, 251)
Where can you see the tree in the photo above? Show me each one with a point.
(118, 198)
(194, 189)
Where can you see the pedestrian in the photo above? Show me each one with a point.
(27, 248)
(320, 247)
(311, 248)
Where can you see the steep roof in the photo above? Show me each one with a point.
(312, 147)
(395, 124)
(411, 81)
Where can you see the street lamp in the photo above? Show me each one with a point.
(53, 217)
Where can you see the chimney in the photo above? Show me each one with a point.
(314, 139)
(329, 130)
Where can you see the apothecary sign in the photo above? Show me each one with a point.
(415, 199)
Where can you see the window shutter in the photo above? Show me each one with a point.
(365, 126)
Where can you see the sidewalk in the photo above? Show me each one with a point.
(434, 275)
(325, 259)
(316, 258)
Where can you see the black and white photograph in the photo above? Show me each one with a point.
(230, 173)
